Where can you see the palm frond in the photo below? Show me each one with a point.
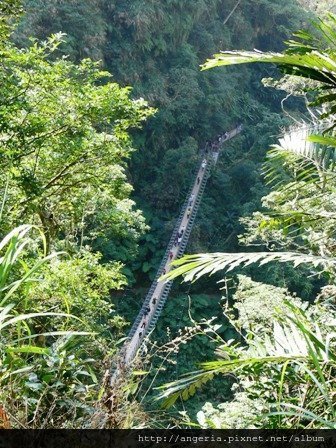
(187, 386)
(304, 143)
(302, 58)
(292, 342)
(192, 267)
(287, 345)
(313, 65)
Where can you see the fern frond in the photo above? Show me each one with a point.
(302, 156)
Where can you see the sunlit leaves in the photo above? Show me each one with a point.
(64, 141)
(297, 348)
(307, 57)
(314, 65)
(192, 267)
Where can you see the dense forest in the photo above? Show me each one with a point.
(106, 108)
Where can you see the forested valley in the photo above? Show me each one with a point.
(106, 109)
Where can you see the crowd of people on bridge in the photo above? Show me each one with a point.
(145, 313)
(171, 255)
(214, 145)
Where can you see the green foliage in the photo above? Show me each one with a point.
(79, 19)
(300, 171)
(299, 212)
(309, 57)
(64, 142)
(286, 373)
(262, 312)
(157, 47)
(286, 360)
(83, 287)
(237, 414)
(39, 373)
(195, 266)
(9, 10)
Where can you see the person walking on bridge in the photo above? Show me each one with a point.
(180, 235)
(204, 162)
(171, 255)
(191, 200)
(188, 212)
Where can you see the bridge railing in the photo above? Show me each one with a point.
(163, 262)
(161, 300)
(165, 292)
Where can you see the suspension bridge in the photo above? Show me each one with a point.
(157, 295)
